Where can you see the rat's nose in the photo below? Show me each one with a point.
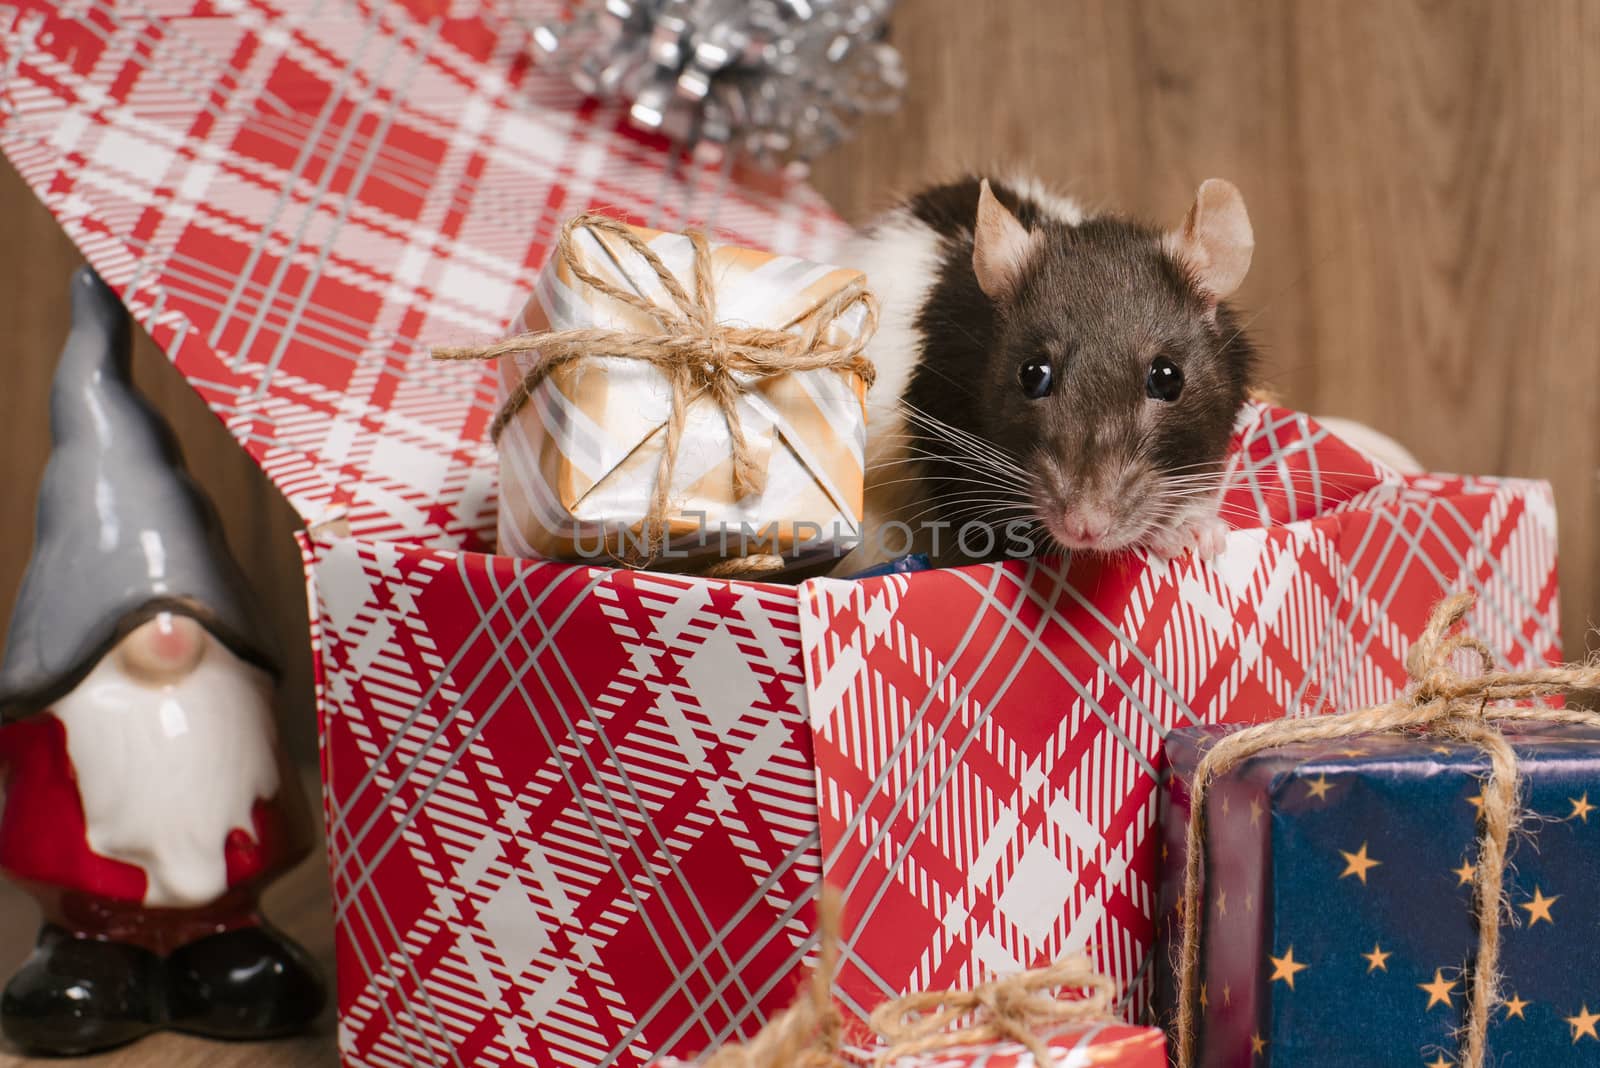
(1088, 526)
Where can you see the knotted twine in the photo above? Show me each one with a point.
(1440, 703)
(809, 1033)
(697, 355)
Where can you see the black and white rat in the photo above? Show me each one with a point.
(1045, 376)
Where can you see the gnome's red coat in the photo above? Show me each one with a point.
(44, 840)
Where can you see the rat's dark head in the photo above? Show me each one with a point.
(1115, 372)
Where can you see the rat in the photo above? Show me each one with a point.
(1046, 377)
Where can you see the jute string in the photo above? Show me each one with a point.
(1439, 703)
(1021, 1008)
(697, 355)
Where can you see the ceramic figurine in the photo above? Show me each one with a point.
(147, 799)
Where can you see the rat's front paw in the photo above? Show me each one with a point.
(1210, 536)
(1204, 535)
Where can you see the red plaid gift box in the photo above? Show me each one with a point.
(1073, 1046)
(577, 816)
(1081, 1046)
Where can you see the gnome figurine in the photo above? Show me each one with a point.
(146, 797)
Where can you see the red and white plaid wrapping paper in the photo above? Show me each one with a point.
(987, 738)
(297, 199)
(576, 816)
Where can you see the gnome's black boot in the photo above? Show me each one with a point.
(78, 995)
(247, 983)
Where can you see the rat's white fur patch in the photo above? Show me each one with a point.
(901, 256)
(1054, 204)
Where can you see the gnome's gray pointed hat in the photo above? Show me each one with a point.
(123, 532)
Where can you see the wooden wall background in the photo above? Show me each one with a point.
(1424, 179)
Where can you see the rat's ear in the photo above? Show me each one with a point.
(1001, 246)
(1215, 240)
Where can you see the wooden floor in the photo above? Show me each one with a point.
(1424, 180)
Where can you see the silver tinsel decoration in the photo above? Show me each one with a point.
(780, 81)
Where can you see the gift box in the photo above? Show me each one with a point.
(578, 815)
(1075, 1046)
(1053, 1015)
(1071, 1046)
(1340, 922)
(647, 775)
(585, 449)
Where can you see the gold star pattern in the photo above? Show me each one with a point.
(1583, 1025)
(1286, 967)
(1250, 901)
(1227, 994)
(1224, 804)
(1222, 902)
(1442, 750)
(1438, 1062)
(1255, 812)
(1539, 907)
(1318, 788)
(1515, 1006)
(1258, 1045)
(1439, 989)
(1205, 1000)
(1476, 800)
(1358, 864)
(1581, 808)
(1377, 960)
(1466, 873)
(1354, 752)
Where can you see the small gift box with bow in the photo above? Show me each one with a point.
(1407, 884)
(1056, 1016)
(674, 404)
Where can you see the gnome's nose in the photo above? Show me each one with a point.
(163, 650)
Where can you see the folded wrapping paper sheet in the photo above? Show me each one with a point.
(298, 199)
(579, 461)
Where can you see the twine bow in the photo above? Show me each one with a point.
(1440, 703)
(1018, 1008)
(699, 356)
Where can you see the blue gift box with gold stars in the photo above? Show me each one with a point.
(1339, 908)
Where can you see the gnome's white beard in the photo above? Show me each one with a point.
(165, 774)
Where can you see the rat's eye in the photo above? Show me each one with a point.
(1165, 381)
(1035, 378)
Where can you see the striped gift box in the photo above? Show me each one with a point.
(578, 462)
